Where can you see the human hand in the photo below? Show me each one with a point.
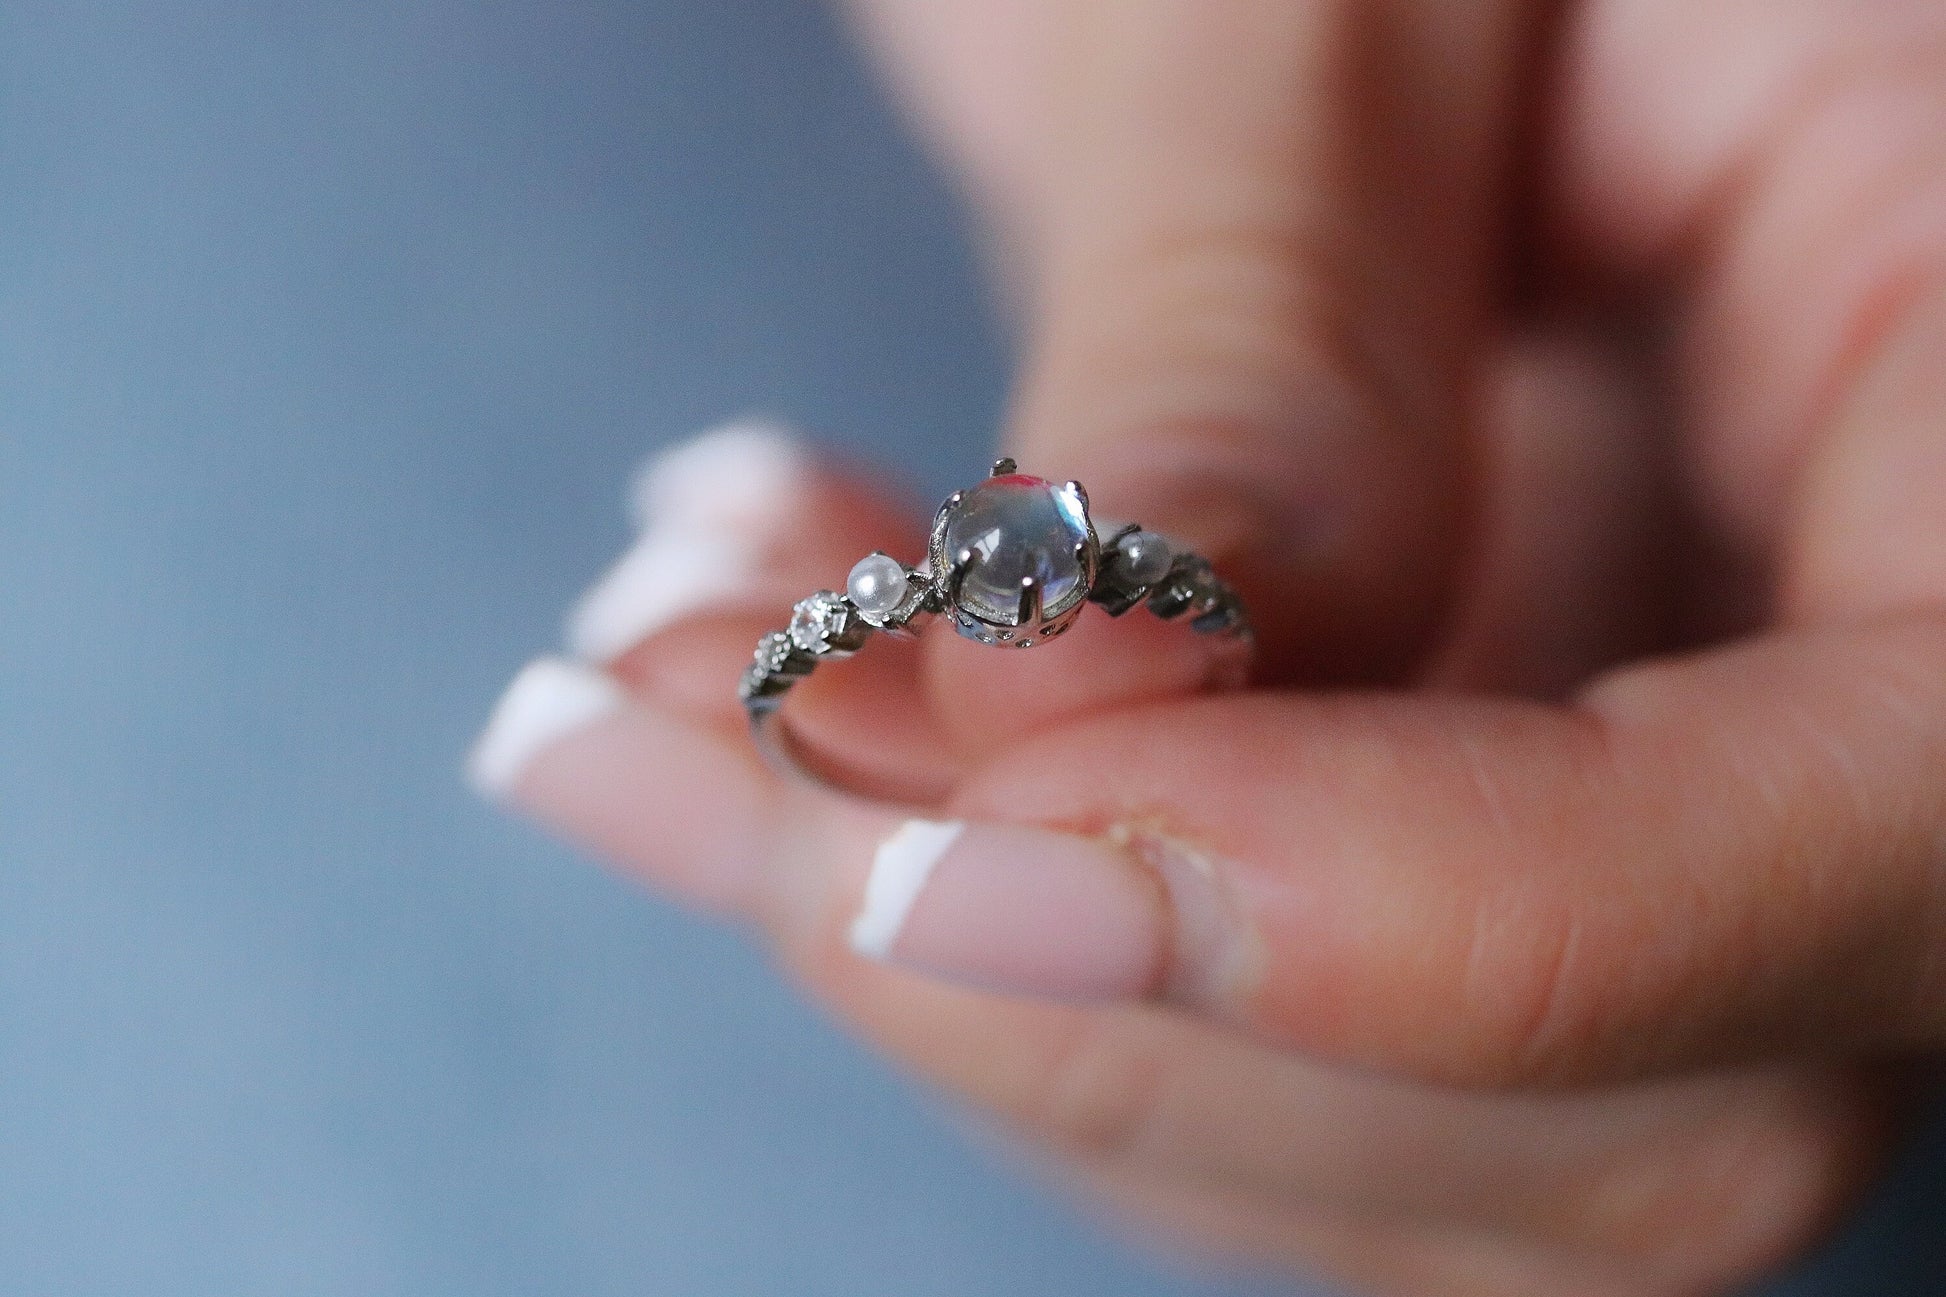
(1572, 377)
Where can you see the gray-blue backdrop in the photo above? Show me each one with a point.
(327, 336)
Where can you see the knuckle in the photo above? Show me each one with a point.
(1550, 1025)
(1539, 982)
(1249, 311)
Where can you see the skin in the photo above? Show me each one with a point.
(1561, 386)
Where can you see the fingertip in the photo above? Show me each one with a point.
(746, 516)
(740, 471)
(901, 867)
(675, 804)
(1012, 909)
(548, 700)
(670, 575)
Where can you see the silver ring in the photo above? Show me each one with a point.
(1012, 562)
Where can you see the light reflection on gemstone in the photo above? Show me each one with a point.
(1018, 527)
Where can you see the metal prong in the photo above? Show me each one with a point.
(1003, 466)
(1122, 534)
(1030, 602)
(1079, 492)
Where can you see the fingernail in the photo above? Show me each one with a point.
(740, 471)
(1016, 910)
(548, 700)
(674, 571)
(672, 802)
(710, 512)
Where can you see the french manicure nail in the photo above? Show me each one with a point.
(679, 805)
(667, 575)
(1017, 910)
(737, 473)
(709, 510)
(548, 700)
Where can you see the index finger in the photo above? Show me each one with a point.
(1739, 855)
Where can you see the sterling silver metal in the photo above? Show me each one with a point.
(1132, 567)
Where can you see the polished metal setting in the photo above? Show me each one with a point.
(1011, 563)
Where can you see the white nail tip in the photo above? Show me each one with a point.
(549, 700)
(736, 472)
(900, 870)
(667, 576)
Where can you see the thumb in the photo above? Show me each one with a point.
(1259, 273)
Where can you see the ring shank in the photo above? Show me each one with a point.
(829, 626)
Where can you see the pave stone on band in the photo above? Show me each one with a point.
(1011, 563)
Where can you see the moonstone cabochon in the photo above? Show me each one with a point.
(1018, 526)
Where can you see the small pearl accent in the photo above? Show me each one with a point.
(1146, 557)
(877, 585)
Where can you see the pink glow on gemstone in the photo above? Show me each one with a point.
(1018, 526)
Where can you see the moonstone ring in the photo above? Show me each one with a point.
(1011, 563)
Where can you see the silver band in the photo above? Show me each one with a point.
(1032, 563)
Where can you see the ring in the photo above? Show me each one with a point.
(1011, 563)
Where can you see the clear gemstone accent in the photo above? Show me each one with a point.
(773, 650)
(819, 622)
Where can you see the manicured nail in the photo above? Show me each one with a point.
(548, 700)
(1017, 910)
(666, 576)
(711, 510)
(735, 473)
(678, 805)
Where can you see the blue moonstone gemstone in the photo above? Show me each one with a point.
(1018, 527)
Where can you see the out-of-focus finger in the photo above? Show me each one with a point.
(635, 745)
(749, 517)
(1386, 1258)
(1722, 1172)
(681, 805)
(1262, 273)
(1782, 165)
(1737, 1169)
(1577, 532)
(1726, 857)
(736, 527)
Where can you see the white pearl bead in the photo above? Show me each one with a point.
(1146, 557)
(877, 585)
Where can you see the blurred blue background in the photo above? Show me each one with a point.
(328, 335)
